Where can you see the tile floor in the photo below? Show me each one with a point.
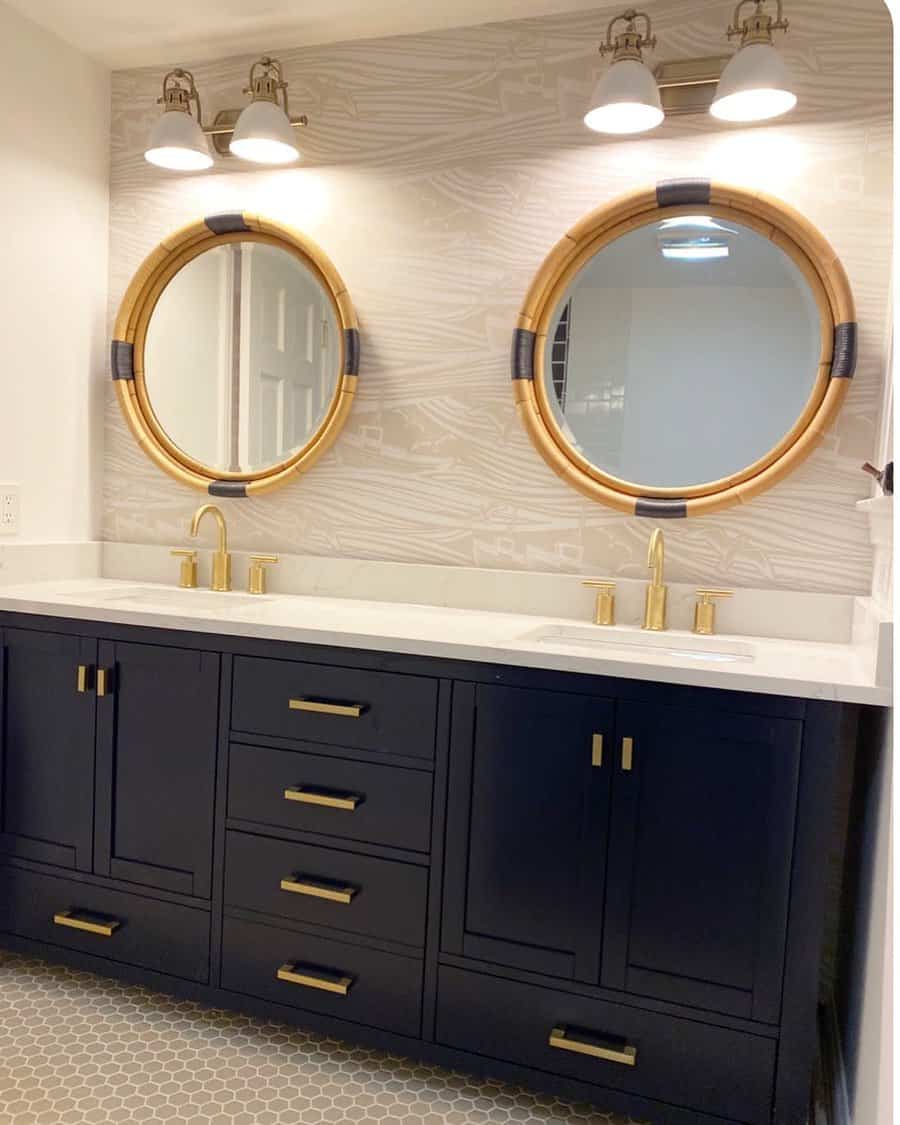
(77, 1049)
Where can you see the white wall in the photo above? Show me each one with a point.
(54, 198)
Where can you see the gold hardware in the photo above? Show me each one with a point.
(705, 611)
(605, 609)
(315, 978)
(627, 754)
(308, 795)
(597, 751)
(628, 44)
(221, 568)
(104, 687)
(89, 923)
(188, 577)
(258, 564)
(322, 707)
(655, 606)
(613, 1050)
(758, 27)
(319, 888)
(81, 680)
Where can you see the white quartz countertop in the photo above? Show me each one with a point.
(812, 670)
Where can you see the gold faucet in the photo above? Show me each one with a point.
(221, 568)
(655, 606)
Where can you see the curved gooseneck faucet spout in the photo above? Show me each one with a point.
(221, 569)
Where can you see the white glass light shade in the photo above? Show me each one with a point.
(264, 135)
(178, 142)
(754, 86)
(626, 100)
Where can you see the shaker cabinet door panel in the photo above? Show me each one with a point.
(157, 730)
(701, 840)
(529, 797)
(47, 717)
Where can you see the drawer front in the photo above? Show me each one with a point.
(331, 796)
(377, 711)
(702, 1068)
(162, 936)
(318, 975)
(375, 897)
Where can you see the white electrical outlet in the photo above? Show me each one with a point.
(9, 509)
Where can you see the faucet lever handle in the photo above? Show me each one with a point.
(705, 610)
(605, 612)
(258, 564)
(188, 576)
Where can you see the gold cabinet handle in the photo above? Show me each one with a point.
(597, 751)
(323, 707)
(319, 888)
(627, 754)
(104, 682)
(307, 976)
(89, 923)
(82, 679)
(328, 798)
(598, 1047)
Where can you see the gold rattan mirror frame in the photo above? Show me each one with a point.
(767, 216)
(131, 330)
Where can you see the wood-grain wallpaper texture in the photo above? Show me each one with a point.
(439, 170)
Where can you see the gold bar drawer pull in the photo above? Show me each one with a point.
(597, 1046)
(319, 888)
(327, 798)
(324, 707)
(87, 922)
(308, 976)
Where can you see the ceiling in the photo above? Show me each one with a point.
(127, 33)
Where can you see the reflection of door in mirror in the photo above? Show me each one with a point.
(241, 357)
(288, 353)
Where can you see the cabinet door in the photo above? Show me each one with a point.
(526, 844)
(156, 765)
(701, 838)
(47, 747)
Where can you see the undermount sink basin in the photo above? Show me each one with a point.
(171, 598)
(684, 645)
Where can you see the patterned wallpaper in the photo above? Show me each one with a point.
(439, 171)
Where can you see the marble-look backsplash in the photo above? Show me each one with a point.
(440, 169)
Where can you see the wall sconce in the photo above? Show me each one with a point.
(626, 99)
(177, 140)
(263, 132)
(755, 84)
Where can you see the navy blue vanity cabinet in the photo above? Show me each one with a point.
(47, 728)
(157, 722)
(527, 829)
(611, 890)
(701, 846)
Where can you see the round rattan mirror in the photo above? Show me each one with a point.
(235, 354)
(684, 348)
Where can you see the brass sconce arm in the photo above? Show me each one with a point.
(628, 44)
(176, 96)
(758, 27)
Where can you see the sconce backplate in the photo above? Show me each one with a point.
(689, 85)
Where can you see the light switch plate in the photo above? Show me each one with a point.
(9, 509)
